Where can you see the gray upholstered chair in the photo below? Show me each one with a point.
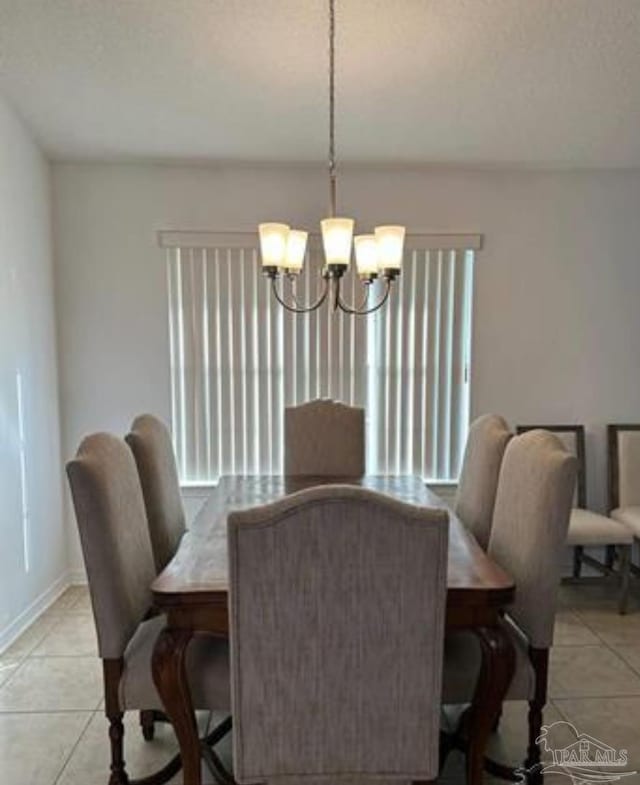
(324, 438)
(528, 536)
(119, 562)
(341, 676)
(588, 529)
(624, 475)
(486, 443)
(151, 445)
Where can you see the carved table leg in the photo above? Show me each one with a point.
(496, 672)
(170, 678)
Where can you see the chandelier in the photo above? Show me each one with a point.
(377, 255)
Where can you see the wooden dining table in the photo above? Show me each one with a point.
(192, 592)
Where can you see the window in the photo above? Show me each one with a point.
(238, 358)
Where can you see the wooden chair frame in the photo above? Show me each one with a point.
(621, 553)
(112, 672)
(613, 462)
(613, 472)
(531, 767)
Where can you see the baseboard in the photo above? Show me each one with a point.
(13, 630)
(77, 577)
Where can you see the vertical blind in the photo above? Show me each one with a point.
(238, 358)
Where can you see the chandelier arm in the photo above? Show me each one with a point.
(294, 295)
(363, 312)
(297, 308)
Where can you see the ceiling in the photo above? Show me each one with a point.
(488, 82)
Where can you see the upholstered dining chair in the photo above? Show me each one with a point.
(340, 678)
(324, 438)
(150, 442)
(476, 494)
(624, 475)
(528, 535)
(118, 558)
(588, 529)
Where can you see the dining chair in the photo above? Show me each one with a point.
(150, 442)
(528, 535)
(588, 529)
(476, 494)
(623, 442)
(341, 676)
(324, 438)
(118, 558)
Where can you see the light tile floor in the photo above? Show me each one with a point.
(53, 730)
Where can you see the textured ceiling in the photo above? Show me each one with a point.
(533, 82)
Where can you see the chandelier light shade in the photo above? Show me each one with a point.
(377, 255)
(336, 240)
(390, 243)
(366, 248)
(273, 244)
(296, 249)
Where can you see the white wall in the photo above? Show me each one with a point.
(33, 552)
(556, 321)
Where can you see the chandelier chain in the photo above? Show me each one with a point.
(332, 108)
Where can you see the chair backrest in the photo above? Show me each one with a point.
(488, 437)
(530, 523)
(337, 620)
(572, 436)
(150, 442)
(624, 466)
(324, 438)
(115, 539)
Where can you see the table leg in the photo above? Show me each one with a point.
(170, 678)
(496, 672)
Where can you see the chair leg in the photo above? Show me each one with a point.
(625, 576)
(577, 560)
(533, 752)
(610, 557)
(116, 736)
(147, 723)
(540, 661)
(112, 671)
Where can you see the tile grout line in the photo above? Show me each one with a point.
(74, 747)
(11, 676)
(602, 644)
(609, 646)
(65, 614)
(29, 652)
(592, 630)
(558, 709)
